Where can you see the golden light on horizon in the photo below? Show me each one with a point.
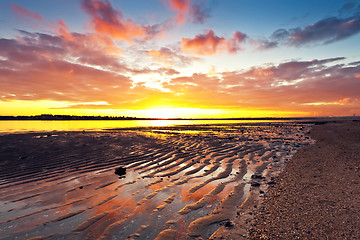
(21, 108)
(173, 112)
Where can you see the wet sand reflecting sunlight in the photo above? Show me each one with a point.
(181, 181)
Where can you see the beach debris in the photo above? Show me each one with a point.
(121, 171)
(257, 176)
(271, 182)
(229, 224)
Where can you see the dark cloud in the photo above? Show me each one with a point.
(199, 12)
(265, 44)
(280, 35)
(348, 7)
(325, 31)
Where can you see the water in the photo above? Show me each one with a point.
(98, 125)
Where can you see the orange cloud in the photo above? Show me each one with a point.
(209, 43)
(110, 21)
(203, 44)
(49, 75)
(23, 12)
(301, 86)
(187, 10)
(182, 7)
(64, 30)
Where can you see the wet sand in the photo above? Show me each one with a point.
(318, 195)
(181, 182)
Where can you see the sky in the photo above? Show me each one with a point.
(180, 58)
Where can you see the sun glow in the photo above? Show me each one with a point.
(163, 113)
(167, 112)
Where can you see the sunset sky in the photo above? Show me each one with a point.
(180, 58)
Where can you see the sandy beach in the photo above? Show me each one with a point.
(318, 195)
(182, 182)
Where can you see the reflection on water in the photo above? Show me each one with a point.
(177, 185)
(97, 125)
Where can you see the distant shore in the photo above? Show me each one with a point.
(46, 117)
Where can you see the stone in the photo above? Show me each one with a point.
(120, 171)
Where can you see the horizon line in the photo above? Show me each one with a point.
(98, 117)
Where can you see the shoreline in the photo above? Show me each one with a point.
(317, 196)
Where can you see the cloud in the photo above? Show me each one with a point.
(199, 12)
(324, 31)
(39, 66)
(110, 21)
(342, 102)
(278, 37)
(202, 44)
(348, 7)
(209, 43)
(289, 86)
(189, 11)
(107, 20)
(182, 7)
(297, 81)
(64, 30)
(234, 44)
(169, 57)
(23, 12)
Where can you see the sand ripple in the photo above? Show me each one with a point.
(181, 182)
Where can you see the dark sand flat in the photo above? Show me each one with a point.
(318, 195)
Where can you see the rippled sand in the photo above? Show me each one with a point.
(181, 182)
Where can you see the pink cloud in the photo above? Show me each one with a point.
(182, 7)
(209, 43)
(110, 21)
(23, 12)
(64, 30)
(37, 67)
(203, 44)
(187, 10)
